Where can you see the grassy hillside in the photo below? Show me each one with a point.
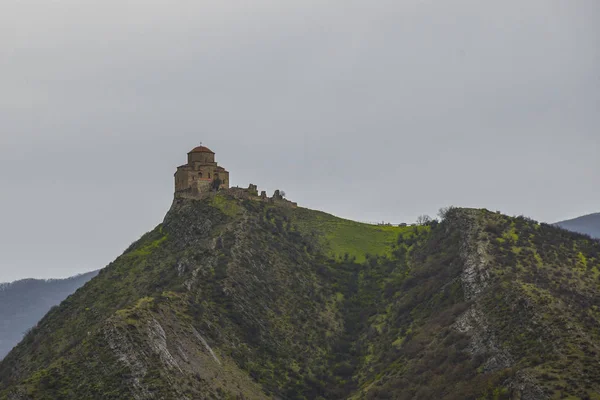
(232, 298)
(341, 237)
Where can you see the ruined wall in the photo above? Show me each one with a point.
(251, 193)
(188, 184)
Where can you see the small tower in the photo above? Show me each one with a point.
(200, 173)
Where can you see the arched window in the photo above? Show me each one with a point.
(209, 175)
(200, 174)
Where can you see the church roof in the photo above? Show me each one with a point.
(201, 149)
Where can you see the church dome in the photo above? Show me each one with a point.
(201, 149)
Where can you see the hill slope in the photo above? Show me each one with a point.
(587, 224)
(23, 303)
(232, 298)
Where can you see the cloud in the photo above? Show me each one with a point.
(372, 111)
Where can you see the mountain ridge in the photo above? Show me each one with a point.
(24, 302)
(230, 297)
(586, 224)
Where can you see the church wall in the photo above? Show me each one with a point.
(197, 165)
(201, 157)
(181, 179)
(223, 176)
(225, 179)
(196, 177)
(206, 170)
(204, 186)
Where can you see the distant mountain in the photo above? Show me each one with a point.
(588, 224)
(23, 303)
(236, 297)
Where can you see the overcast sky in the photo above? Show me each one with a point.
(370, 110)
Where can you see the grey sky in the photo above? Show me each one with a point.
(371, 110)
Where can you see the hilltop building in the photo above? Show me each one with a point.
(200, 173)
(199, 177)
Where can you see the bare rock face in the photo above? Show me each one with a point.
(123, 348)
(475, 278)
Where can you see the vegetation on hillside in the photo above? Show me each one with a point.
(231, 298)
(345, 238)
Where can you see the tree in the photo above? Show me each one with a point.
(423, 219)
(216, 184)
(444, 211)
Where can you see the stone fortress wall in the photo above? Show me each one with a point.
(251, 193)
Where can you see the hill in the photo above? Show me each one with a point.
(587, 224)
(234, 298)
(23, 303)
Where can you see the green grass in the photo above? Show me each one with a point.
(341, 236)
(511, 234)
(147, 249)
(225, 204)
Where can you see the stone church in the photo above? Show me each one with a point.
(200, 173)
